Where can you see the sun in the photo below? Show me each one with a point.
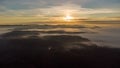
(68, 17)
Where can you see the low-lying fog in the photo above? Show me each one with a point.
(60, 46)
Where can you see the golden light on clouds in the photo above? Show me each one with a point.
(68, 18)
(59, 13)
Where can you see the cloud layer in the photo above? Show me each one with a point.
(59, 8)
(55, 11)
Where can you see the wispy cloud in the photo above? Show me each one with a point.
(60, 10)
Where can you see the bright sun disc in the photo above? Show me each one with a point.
(68, 18)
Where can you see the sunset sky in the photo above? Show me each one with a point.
(16, 11)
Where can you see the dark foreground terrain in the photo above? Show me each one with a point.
(25, 49)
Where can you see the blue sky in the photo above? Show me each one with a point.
(24, 4)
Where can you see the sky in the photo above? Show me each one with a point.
(16, 11)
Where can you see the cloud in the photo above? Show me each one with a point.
(28, 4)
(59, 10)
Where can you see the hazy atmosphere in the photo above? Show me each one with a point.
(59, 33)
